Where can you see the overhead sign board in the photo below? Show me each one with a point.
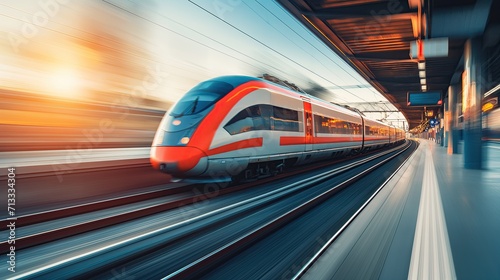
(421, 99)
(422, 49)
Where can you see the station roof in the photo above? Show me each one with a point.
(374, 37)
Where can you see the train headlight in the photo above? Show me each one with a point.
(184, 140)
(158, 140)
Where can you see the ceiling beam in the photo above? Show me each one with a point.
(385, 56)
(341, 14)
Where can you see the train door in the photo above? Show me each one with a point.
(308, 124)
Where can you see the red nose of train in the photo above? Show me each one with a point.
(179, 161)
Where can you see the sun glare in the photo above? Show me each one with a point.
(65, 83)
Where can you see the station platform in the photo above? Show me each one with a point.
(433, 220)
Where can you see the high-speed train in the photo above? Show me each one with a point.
(240, 127)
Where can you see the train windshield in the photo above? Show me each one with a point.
(200, 98)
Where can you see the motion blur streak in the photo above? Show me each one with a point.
(74, 76)
(63, 135)
(36, 122)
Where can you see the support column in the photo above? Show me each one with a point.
(471, 103)
(453, 119)
(441, 127)
(446, 124)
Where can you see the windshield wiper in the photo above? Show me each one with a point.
(195, 103)
(189, 109)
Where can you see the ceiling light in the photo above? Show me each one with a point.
(421, 65)
(424, 87)
(423, 81)
(421, 74)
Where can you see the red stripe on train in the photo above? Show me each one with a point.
(243, 144)
(300, 140)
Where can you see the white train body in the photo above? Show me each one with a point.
(254, 127)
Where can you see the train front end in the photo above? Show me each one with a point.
(173, 151)
(182, 142)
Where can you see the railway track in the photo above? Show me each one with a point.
(176, 232)
(201, 265)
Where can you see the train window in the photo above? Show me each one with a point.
(335, 126)
(200, 98)
(285, 119)
(263, 117)
(373, 130)
(220, 88)
(255, 117)
(376, 131)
